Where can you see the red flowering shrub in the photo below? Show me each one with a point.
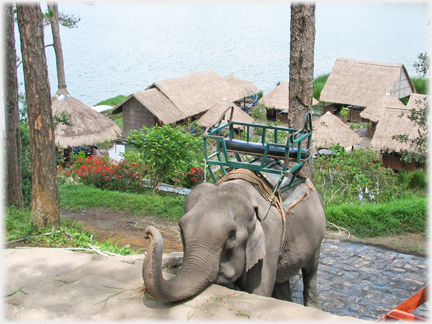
(190, 179)
(103, 173)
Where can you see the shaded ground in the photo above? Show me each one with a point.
(129, 229)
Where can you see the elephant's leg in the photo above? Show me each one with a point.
(261, 278)
(282, 291)
(310, 290)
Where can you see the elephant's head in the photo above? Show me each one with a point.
(222, 238)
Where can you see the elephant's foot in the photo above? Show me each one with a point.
(312, 302)
(282, 291)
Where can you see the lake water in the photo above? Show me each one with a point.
(124, 48)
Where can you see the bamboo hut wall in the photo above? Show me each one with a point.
(393, 161)
(354, 115)
(135, 115)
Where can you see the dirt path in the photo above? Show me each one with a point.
(124, 229)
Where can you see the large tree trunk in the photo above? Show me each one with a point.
(199, 269)
(55, 27)
(45, 203)
(14, 195)
(301, 62)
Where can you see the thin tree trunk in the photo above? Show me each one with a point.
(302, 43)
(55, 27)
(13, 132)
(45, 203)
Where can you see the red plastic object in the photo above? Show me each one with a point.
(403, 311)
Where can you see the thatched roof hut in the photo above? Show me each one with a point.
(88, 126)
(417, 100)
(329, 130)
(395, 121)
(214, 113)
(361, 83)
(175, 100)
(278, 98)
(375, 110)
(240, 88)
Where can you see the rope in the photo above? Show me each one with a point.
(259, 185)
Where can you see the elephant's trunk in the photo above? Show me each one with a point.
(195, 275)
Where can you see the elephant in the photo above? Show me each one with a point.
(227, 241)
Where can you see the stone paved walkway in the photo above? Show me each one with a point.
(364, 281)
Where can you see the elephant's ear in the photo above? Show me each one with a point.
(255, 246)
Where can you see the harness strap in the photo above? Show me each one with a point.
(254, 180)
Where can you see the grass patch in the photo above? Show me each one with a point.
(385, 219)
(164, 205)
(420, 84)
(318, 85)
(18, 226)
(112, 101)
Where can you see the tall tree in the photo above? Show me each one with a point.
(55, 28)
(301, 65)
(45, 203)
(14, 195)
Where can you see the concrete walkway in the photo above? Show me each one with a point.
(52, 284)
(355, 281)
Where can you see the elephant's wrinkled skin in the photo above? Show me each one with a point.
(225, 243)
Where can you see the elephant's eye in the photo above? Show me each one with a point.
(230, 240)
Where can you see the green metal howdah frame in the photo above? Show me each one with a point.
(290, 156)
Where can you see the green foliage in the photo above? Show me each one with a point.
(416, 179)
(419, 145)
(114, 101)
(384, 219)
(64, 119)
(318, 85)
(344, 112)
(18, 225)
(103, 173)
(259, 114)
(260, 94)
(165, 205)
(66, 20)
(421, 85)
(191, 178)
(422, 65)
(351, 178)
(25, 164)
(167, 150)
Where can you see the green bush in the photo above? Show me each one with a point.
(318, 85)
(352, 177)
(416, 179)
(420, 84)
(103, 173)
(258, 114)
(168, 150)
(384, 219)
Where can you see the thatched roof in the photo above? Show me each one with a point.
(361, 83)
(395, 121)
(89, 126)
(375, 110)
(278, 98)
(159, 105)
(240, 88)
(417, 100)
(329, 130)
(214, 113)
(178, 98)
